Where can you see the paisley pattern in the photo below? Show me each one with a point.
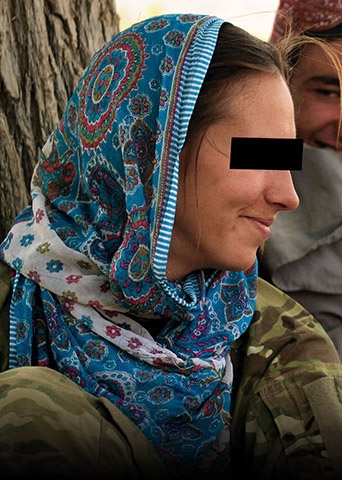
(314, 16)
(113, 73)
(90, 293)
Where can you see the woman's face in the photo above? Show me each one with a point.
(223, 215)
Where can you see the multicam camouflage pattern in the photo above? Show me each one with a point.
(52, 428)
(286, 413)
(5, 297)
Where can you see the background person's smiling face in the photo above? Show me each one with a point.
(316, 95)
(224, 215)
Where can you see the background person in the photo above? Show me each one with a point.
(303, 256)
(134, 273)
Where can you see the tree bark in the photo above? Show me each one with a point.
(45, 46)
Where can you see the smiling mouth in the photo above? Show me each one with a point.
(263, 221)
(263, 226)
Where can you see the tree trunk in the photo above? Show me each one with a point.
(44, 47)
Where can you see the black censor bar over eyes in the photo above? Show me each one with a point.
(266, 153)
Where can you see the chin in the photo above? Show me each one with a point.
(242, 264)
(240, 267)
(233, 260)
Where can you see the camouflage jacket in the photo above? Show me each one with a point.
(287, 395)
(287, 409)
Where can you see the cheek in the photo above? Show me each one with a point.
(307, 121)
(312, 111)
(314, 121)
(245, 185)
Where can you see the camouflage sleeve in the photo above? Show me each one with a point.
(52, 428)
(5, 288)
(287, 410)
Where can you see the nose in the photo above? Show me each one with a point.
(281, 192)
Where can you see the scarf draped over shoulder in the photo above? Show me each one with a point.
(89, 255)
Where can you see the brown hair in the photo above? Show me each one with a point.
(294, 44)
(293, 47)
(236, 53)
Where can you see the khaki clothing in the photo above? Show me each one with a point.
(286, 410)
(5, 297)
(52, 428)
(327, 309)
(287, 413)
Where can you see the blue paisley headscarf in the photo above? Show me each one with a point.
(90, 293)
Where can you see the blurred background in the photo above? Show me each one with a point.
(255, 16)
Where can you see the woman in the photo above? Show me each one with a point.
(134, 271)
